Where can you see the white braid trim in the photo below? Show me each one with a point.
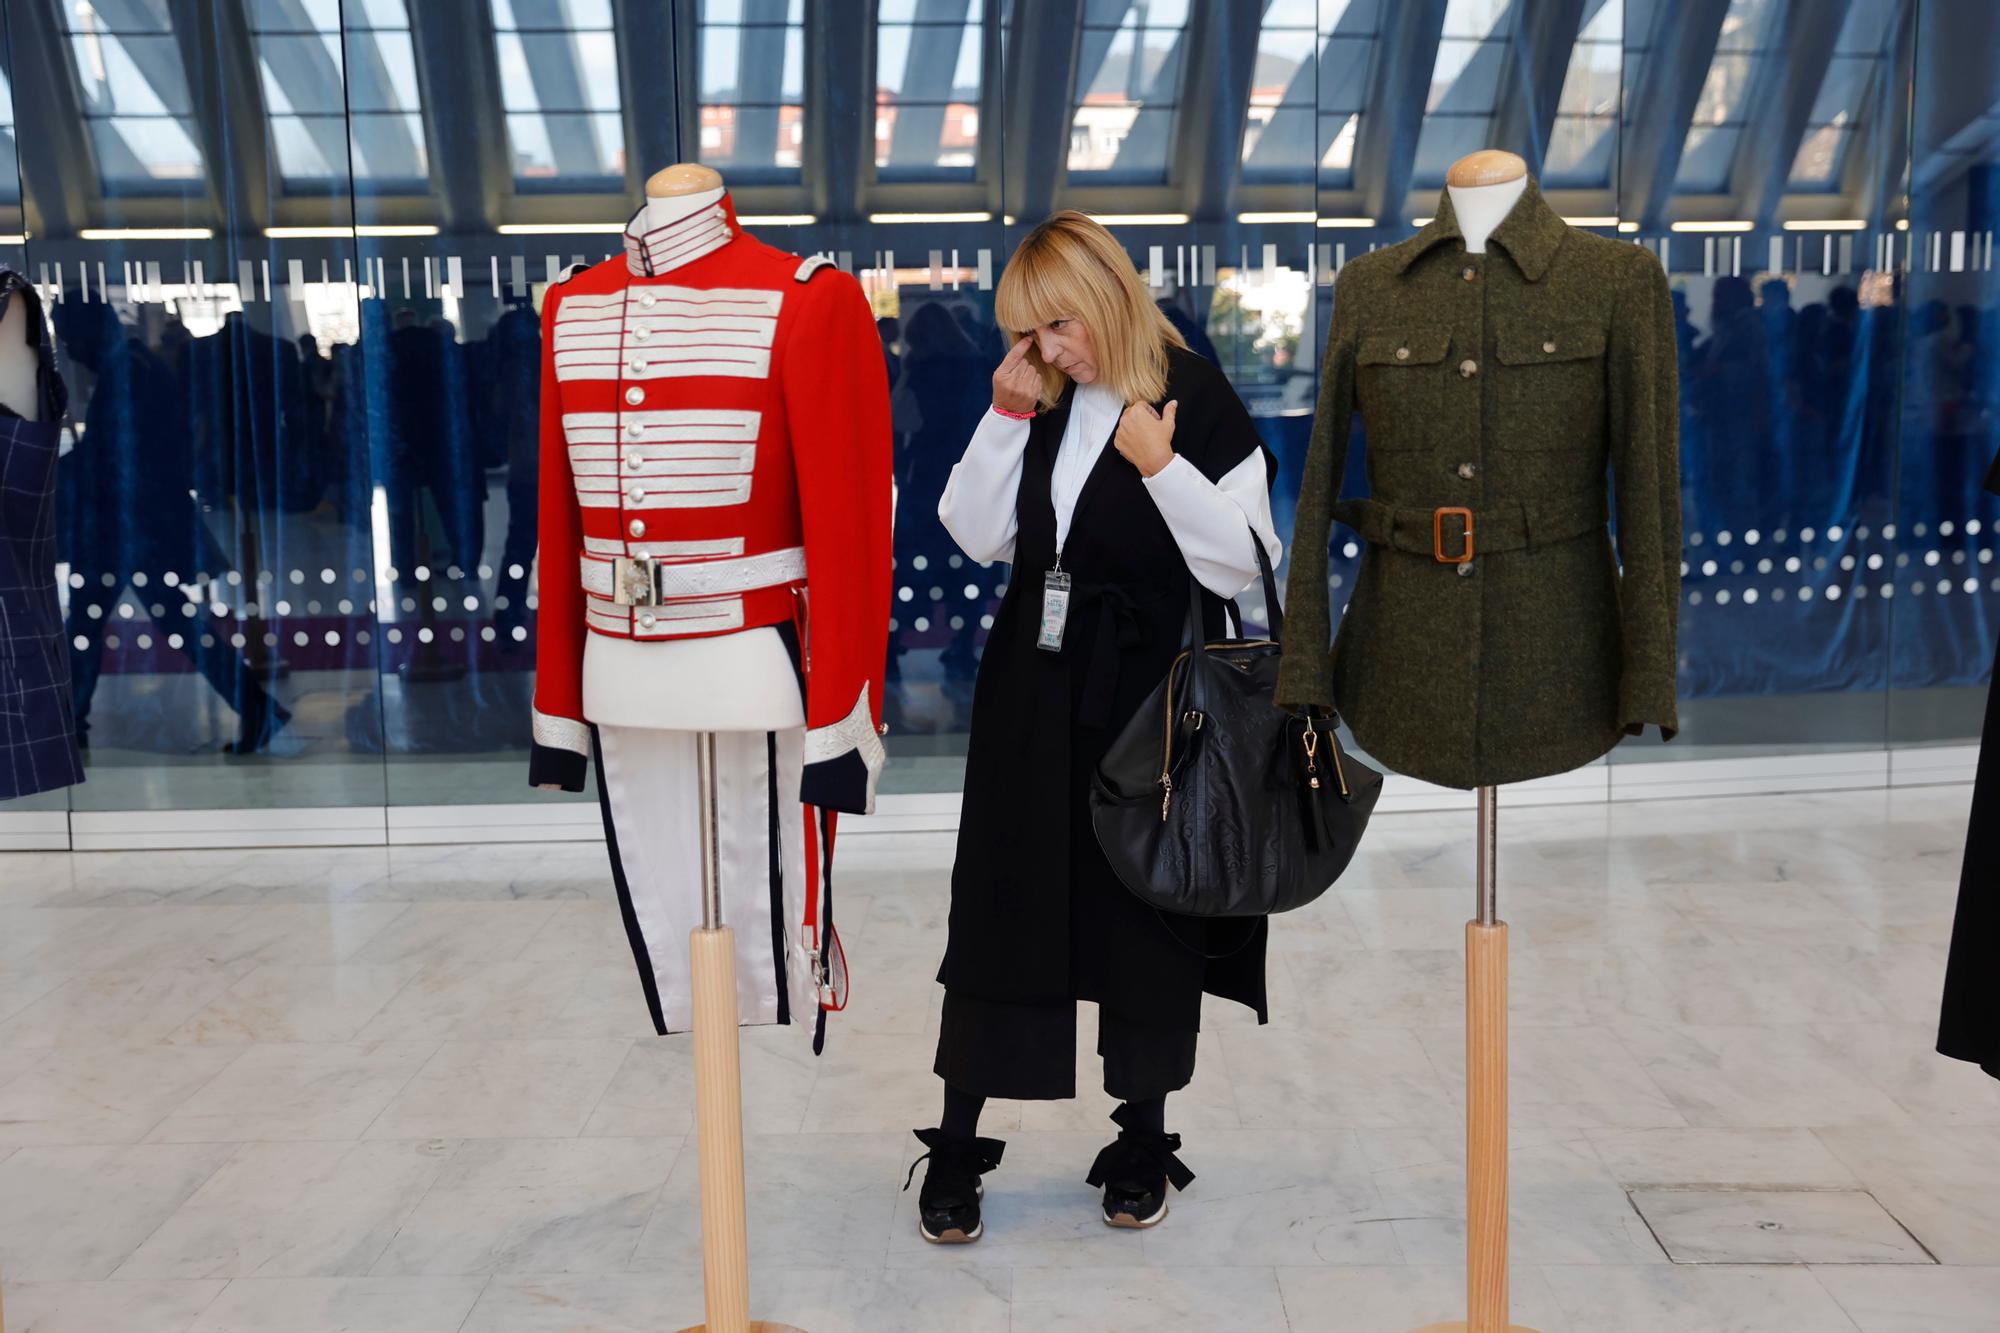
(854, 732)
(561, 733)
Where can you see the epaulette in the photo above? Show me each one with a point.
(571, 271)
(811, 266)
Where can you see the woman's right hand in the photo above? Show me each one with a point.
(1017, 385)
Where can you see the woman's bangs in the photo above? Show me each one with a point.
(1035, 290)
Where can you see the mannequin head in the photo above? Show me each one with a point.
(683, 178)
(1072, 288)
(1488, 166)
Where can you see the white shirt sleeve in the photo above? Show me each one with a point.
(977, 507)
(1209, 520)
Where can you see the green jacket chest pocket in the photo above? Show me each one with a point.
(1549, 386)
(1398, 385)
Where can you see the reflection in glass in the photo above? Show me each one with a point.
(135, 95)
(1582, 146)
(310, 96)
(1465, 84)
(1743, 57)
(10, 175)
(1945, 569)
(559, 86)
(750, 57)
(1845, 95)
(1349, 31)
(377, 482)
(1128, 85)
(928, 56)
(941, 351)
(1278, 130)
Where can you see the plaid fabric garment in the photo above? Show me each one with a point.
(37, 732)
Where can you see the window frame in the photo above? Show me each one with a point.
(163, 188)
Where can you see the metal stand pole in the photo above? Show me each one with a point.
(718, 1087)
(1486, 1096)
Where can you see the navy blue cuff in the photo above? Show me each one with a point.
(840, 783)
(549, 766)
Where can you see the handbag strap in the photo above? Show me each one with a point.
(1192, 636)
(1272, 610)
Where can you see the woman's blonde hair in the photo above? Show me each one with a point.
(1070, 267)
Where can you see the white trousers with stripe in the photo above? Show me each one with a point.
(772, 863)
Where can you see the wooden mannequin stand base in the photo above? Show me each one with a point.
(1485, 1099)
(719, 1133)
(718, 1089)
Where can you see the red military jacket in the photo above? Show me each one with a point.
(720, 407)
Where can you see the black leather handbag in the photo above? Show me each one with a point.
(1213, 801)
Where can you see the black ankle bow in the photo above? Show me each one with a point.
(981, 1155)
(1139, 1158)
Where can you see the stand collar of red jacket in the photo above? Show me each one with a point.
(696, 236)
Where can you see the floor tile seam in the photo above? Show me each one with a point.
(437, 1049)
(416, 970)
(617, 1067)
(146, 1135)
(1694, 1270)
(354, 955)
(1221, 1054)
(444, 1164)
(656, 1196)
(220, 1162)
(548, 907)
(388, 925)
(206, 1306)
(234, 1154)
(473, 1305)
(419, 969)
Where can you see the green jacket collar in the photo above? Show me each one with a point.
(1531, 232)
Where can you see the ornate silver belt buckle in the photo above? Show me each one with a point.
(634, 582)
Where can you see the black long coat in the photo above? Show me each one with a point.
(1037, 914)
(1969, 1024)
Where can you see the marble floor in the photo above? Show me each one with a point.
(413, 1090)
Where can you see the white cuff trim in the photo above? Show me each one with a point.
(855, 732)
(561, 733)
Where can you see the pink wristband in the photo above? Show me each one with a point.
(1013, 416)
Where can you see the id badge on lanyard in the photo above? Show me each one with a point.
(1055, 608)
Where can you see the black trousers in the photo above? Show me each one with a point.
(1027, 1052)
(1969, 1021)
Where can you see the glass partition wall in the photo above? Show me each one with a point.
(295, 250)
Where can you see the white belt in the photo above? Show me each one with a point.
(650, 580)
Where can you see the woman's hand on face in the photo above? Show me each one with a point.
(1146, 437)
(1017, 385)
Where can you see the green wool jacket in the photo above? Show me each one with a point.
(1496, 390)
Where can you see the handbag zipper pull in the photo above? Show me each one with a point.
(1311, 739)
(1167, 795)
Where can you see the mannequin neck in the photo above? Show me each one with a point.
(1481, 209)
(666, 210)
(673, 230)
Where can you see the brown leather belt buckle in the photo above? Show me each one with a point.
(1437, 535)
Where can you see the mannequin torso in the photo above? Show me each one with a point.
(20, 364)
(726, 682)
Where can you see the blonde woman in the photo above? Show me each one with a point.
(1114, 471)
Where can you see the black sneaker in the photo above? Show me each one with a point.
(948, 1203)
(1135, 1170)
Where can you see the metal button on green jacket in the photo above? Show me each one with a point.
(1493, 634)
